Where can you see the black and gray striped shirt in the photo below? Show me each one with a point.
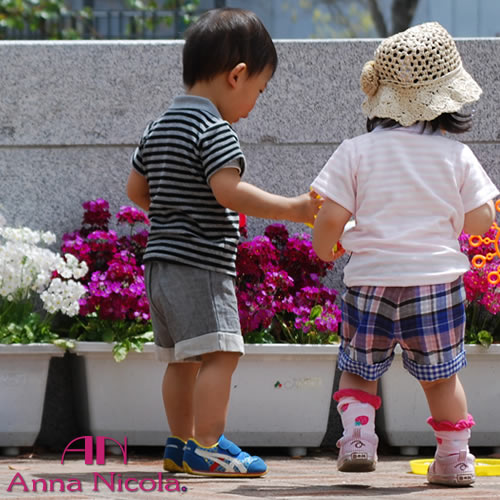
(178, 154)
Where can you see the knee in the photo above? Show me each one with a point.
(429, 385)
(229, 360)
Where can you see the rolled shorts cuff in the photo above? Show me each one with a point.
(429, 373)
(368, 372)
(164, 353)
(192, 349)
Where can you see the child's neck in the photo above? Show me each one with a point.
(211, 90)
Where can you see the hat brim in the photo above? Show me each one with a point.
(408, 105)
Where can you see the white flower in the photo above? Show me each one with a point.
(48, 238)
(63, 296)
(27, 269)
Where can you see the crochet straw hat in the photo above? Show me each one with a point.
(416, 76)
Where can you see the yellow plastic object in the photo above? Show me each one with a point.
(484, 466)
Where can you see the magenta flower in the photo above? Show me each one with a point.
(279, 289)
(131, 216)
(115, 281)
(278, 234)
(96, 214)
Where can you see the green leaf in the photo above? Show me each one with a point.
(148, 336)
(108, 335)
(260, 337)
(315, 312)
(485, 338)
(64, 343)
(120, 351)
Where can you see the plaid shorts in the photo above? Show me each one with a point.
(428, 322)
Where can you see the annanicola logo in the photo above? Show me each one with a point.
(113, 481)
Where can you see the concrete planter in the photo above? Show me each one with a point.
(405, 411)
(281, 394)
(23, 379)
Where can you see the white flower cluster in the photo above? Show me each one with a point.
(27, 269)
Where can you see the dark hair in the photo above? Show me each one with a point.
(456, 123)
(222, 38)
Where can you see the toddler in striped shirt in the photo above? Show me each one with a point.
(187, 174)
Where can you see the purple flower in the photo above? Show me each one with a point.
(278, 234)
(115, 281)
(131, 216)
(96, 214)
(279, 288)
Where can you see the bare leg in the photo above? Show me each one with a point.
(446, 398)
(352, 381)
(211, 395)
(177, 390)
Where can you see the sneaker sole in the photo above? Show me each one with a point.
(221, 474)
(357, 462)
(455, 480)
(170, 466)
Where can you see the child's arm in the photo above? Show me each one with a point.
(138, 189)
(328, 228)
(479, 220)
(248, 199)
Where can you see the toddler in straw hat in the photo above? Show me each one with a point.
(411, 191)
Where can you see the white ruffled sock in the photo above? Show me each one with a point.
(451, 438)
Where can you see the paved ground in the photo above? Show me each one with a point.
(314, 476)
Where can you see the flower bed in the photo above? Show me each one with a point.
(115, 307)
(280, 295)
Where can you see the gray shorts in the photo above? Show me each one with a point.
(193, 311)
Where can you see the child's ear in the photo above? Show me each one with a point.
(236, 73)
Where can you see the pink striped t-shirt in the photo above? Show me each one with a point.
(408, 192)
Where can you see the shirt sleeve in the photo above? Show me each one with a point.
(337, 179)
(476, 188)
(220, 147)
(137, 160)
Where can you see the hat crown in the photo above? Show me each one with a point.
(418, 56)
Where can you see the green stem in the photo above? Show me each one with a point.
(475, 311)
(285, 329)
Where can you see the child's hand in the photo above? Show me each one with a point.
(305, 207)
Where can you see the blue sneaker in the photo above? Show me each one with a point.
(174, 451)
(224, 459)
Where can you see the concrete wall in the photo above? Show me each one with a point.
(72, 112)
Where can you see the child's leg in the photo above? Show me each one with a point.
(177, 390)
(446, 398)
(210, 453)
(453, 464)
(211, 395)
(353, 381)
(364, 356)
(357, 403)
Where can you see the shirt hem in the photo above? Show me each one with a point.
(402, 282)
(190, 264)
